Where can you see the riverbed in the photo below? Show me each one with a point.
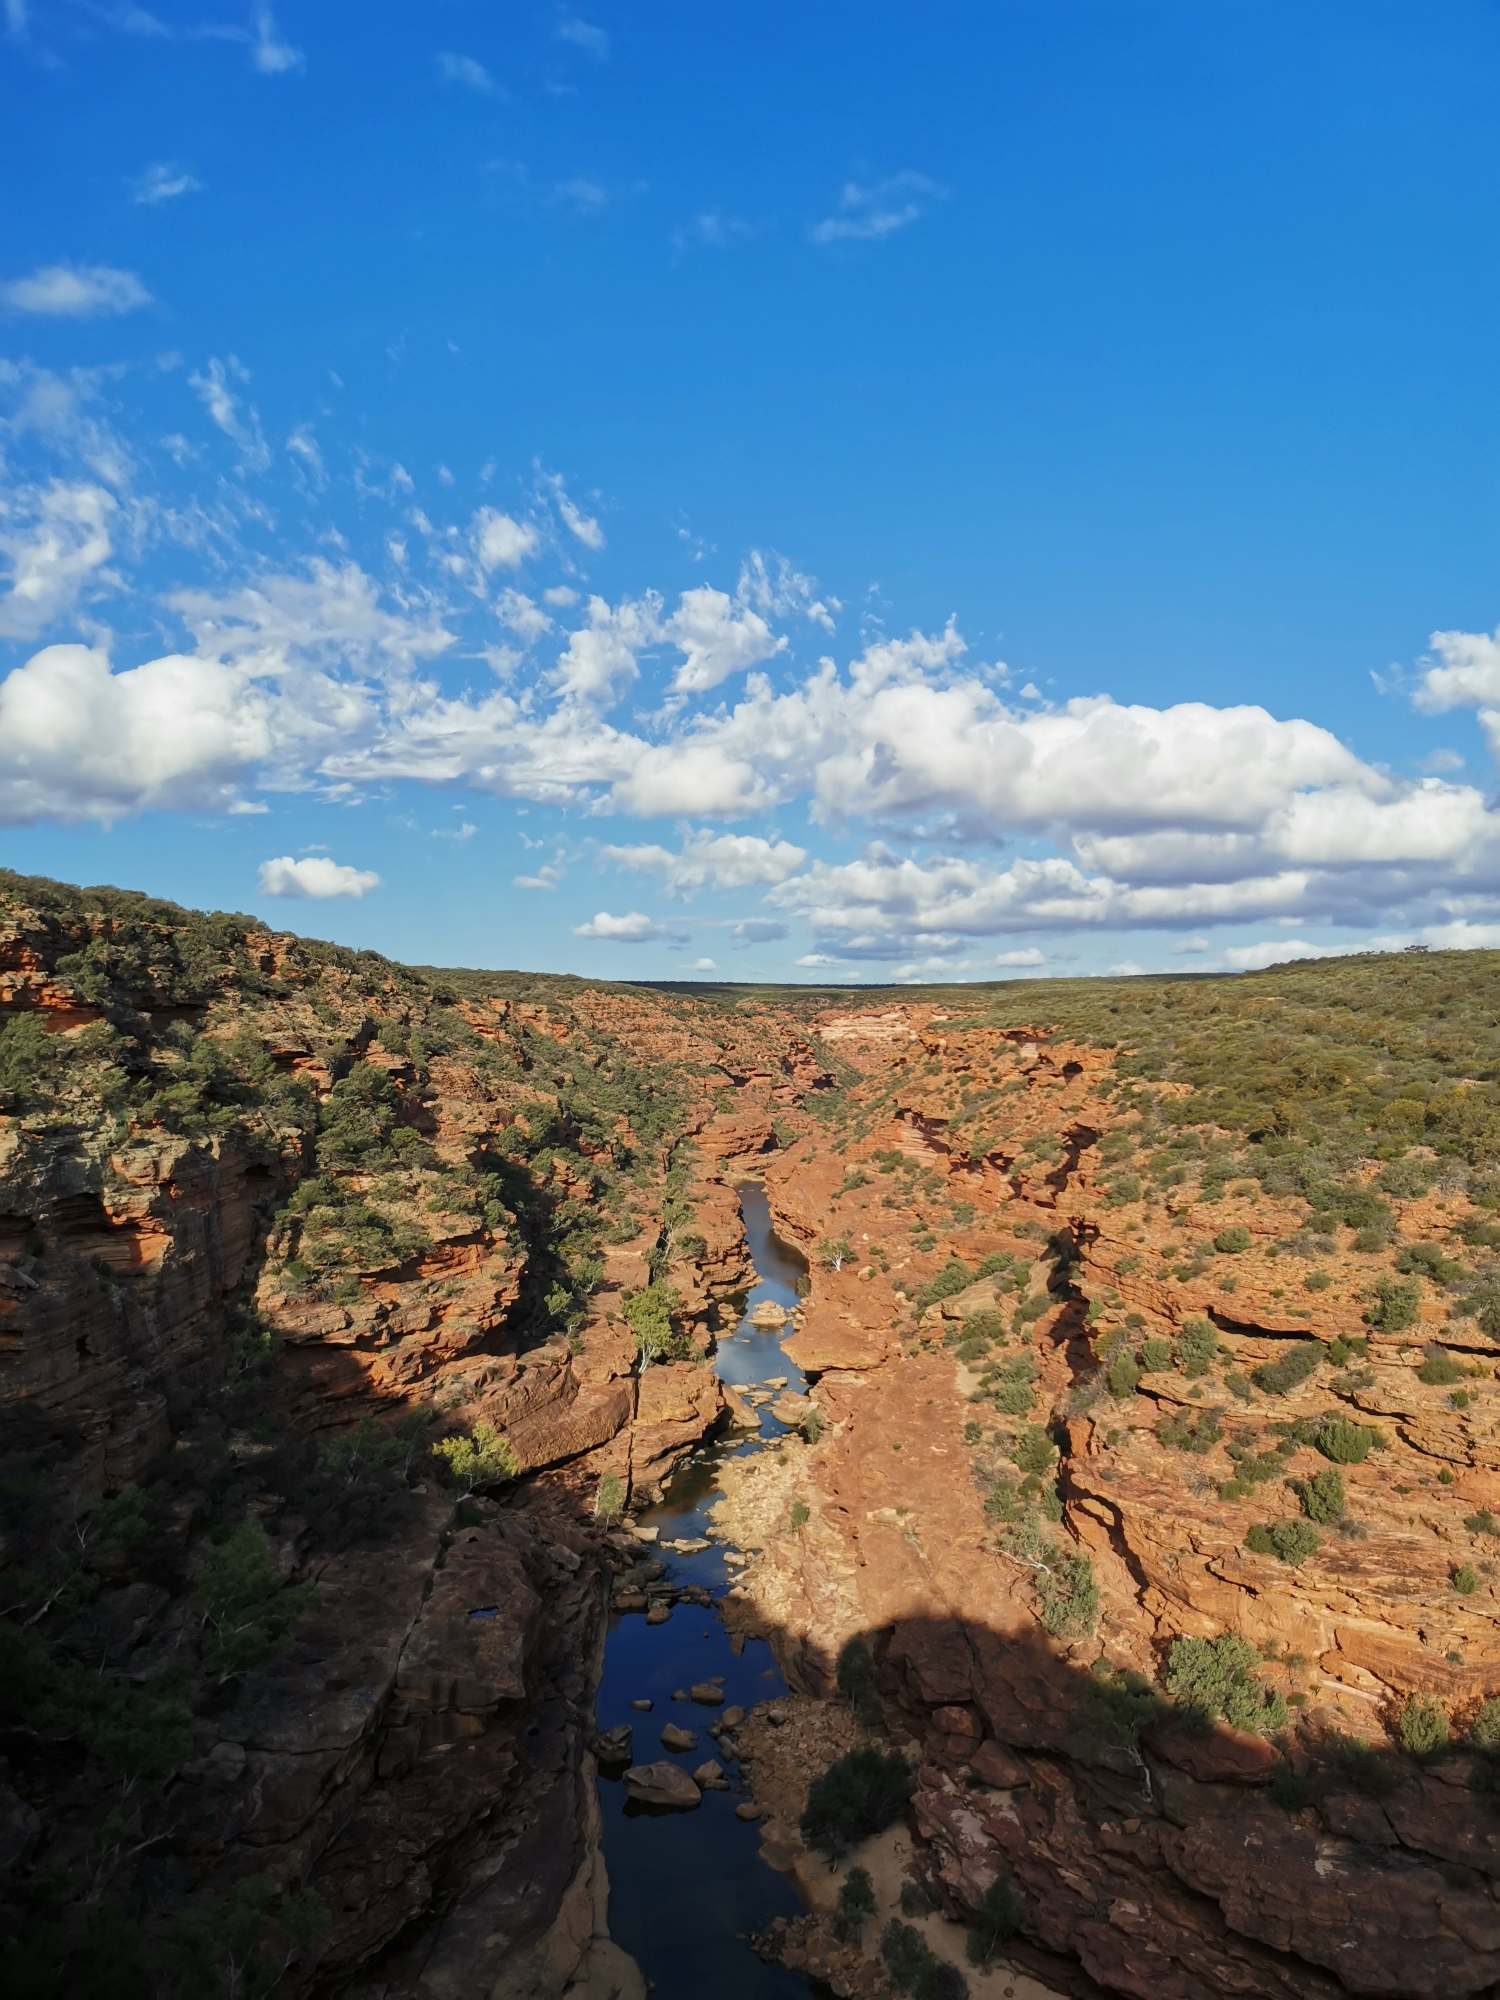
(686, 1886)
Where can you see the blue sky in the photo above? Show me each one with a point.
(439, 444)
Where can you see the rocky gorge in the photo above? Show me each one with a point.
(1138, 1485)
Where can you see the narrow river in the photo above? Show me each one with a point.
(684, 1885)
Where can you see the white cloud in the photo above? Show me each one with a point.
(560, 597)
(1031, 956)
(702, 965)
(633, 928)
(869, 214)
(163, 182)
(269, 54)
(546, 877)
(1439, 763)
(75, 291)
(1278, 951)
(315, 876)
(786, 593)
(500, 542)
(716, 640)
(715, 861)
(236, 421)
(583, 196)
(583, 35)
(581, 525)
(1192, 944)
(54, 542)
(522, 614)
(758, 930)
(465, 70)
(1127, 969)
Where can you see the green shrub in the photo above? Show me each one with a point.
(1212, 1680)
(1344, 1441)
(997, 1919)
(1124, 1376)
(858, 1796)
(1288, 1790)
(1068, 1596)
(855, 1675)
(1156, 1354)
(1316, 1281)
(483, 1459)
(904, 1952)
(1466, 1579)
(1428, 1260)
(1396, 1306)
(250, 1607)
(1231, 1242)
(1322, 1496)
(142, 1731)
(1013, 1385)
(1484, 1730)
(1190, 1430)
(1197, 1347)
(1482, 1523)
(1299, 1362)
(1439, 1369)
(1423, 1726)
(1291, 1542)
(649, 1315)
(1034, 1450)
(855, 1905)
(610, 1497)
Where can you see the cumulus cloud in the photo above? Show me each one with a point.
(500, 542)
(758, 930)
(1029, 956)
(633, 928)
(315, 876)
(162, 182)
(869, 214)
(75, 291)
(716, 640)
(1277, 951)
(702, 965)
(715, 861)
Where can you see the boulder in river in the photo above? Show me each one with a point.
(707, 1693)
(710, 1777)
(640, 1704)
(748, 1809)
(612, 1746)
(658, 1613)
(768, 1313)
(730, 1719)
(661, 1784)
(674, 1738)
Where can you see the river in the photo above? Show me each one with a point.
(685, 1885)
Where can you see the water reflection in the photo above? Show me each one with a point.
(683, 1885)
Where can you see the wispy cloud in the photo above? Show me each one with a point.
(236, 421)
(75, 291)
(710, 231)
(163, 182)
(464, 69)
(582, 195)
(870, 214)
(269, 54)
(583, 35)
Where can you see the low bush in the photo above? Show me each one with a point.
(1212, 1680)
(855, 1675)
(1344, 1441)
(1294, 1368)
(1231, 1242)
(858, 1796)
(1291, 1542)
(1124, 1377)
(1466, 1579)
(1423, 1726)
(855, 1905)
(1190, 1430)
(997, 1919)
(1439, 1369)
(1396, 1306)
(1155, 1355)
(1484, 1731)
(250, 1607)
(1322, 1496)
